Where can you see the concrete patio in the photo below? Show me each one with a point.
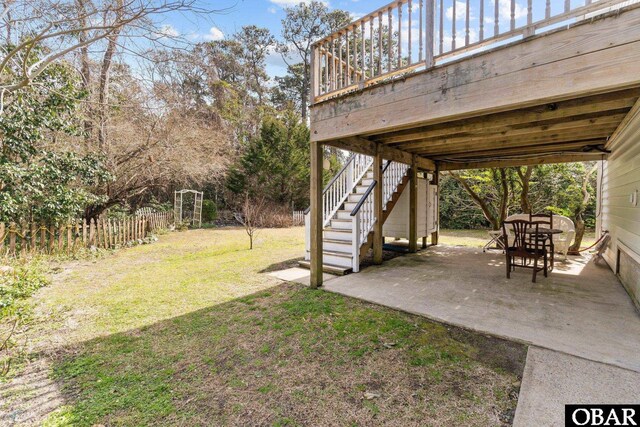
(580, 309)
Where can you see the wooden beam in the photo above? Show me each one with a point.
(504, 163)
(541, 113)
(365, 146)
(316, 215)
(436, 181)
(530, 140)
(413, 207)
(378, 208)
(590, 58)
(577, 126)
(535, 149)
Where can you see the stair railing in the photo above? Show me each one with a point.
(393, 174)
(337, 191)
(363, 219)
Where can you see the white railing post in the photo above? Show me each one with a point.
(429, 32)
(355, 239)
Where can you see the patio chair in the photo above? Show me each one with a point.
(545, 221)
(563, 241)
(522, 247)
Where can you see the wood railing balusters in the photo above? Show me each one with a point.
(481, 32)
(467, 22)
(441, 50)
(496, 18)
(348, 70)
(391, 52)
(409, 13)
(429, 42)
(389, 41)
(453, 26)
(399, 64)
(421, 37)
(380, 29)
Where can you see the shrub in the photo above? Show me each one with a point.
(209, 211)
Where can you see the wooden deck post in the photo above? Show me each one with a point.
(377, 201)
(435, 234)
(316, 214)
(413, 206)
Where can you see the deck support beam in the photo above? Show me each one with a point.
(364, 146)
(377, 201)
(436, 234)
(413, 206)
(316, 214)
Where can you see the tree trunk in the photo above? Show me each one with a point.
(525, 179)
(85, 72)
(305, 91)
(103, 92)
(504, 199)
(486, 209)
(578, 218)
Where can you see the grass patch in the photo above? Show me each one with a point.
(286, 363)
(188, 331)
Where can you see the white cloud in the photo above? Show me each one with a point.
(461, 11)
(271, 9)
(505, 10)
(214, 34)
(169, 31)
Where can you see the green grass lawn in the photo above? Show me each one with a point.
(191, 331)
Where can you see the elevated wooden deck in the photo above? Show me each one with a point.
(553, 97)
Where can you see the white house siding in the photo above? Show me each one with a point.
(619, 206)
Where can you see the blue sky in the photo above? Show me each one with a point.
(263, 13)
(268, 13)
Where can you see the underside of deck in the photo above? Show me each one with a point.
(550, 98)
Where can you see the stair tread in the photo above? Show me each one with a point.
(338, 241)
(328, 268)
(337, 230)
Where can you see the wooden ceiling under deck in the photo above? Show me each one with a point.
(568, 130)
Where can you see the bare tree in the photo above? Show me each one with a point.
(251, 216)
(62, 27)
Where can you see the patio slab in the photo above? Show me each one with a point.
(298, 275)
(580, 309)
(552, 380)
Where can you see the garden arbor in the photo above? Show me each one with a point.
(193, 210)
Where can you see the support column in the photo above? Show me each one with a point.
(413, 206)
(435, 181)
(377, 201)
(316, 214)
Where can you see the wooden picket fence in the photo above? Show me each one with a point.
(106, 233)
(298, 217)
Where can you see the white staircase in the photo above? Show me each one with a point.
(348, 212)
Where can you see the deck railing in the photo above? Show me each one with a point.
(393, 174)
(407, 35)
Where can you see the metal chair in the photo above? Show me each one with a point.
(522, 247)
